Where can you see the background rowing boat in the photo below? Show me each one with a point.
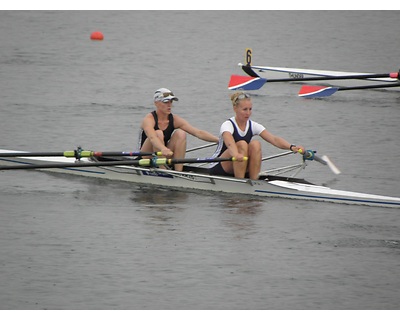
(271, 74)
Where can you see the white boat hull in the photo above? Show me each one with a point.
(291, 189)
(297, 74)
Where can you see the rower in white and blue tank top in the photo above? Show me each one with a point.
(252, 129)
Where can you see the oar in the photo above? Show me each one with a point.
(238, 82)
(77, 154)
(310, 155)
(202, 147)
(142, 162)
(85, 153)
(255, 83)
(323, 91)
(277, 155)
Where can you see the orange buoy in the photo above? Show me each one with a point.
(96, 35)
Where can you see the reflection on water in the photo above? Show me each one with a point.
(156, 196)
(160, 205)
(176, 209)
(240, 214)
(237, 204)
(244, 205)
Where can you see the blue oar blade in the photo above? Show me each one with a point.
(237, 82)
(316, 91)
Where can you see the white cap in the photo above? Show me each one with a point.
(164, 95)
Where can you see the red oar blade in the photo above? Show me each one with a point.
(237, 82)
(316, 91)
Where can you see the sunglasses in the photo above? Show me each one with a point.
(167, 94)
(240, 97)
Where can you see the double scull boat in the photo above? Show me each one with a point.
(193, 177)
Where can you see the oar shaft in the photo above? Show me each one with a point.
(77, 154)
(193, 160)
(315, 157)
(310, 155)
(70, 165)
(201, 147)
(122, 153)
(277, 155)
(319, 78)
(320, 160)
(36, 154)
(376, 86)
(323, 91)
(142, 162)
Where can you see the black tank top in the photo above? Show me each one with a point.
(167, 132)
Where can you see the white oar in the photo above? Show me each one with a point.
(324, 91)
(77, 154)
(277, 155)
(330, 164)
(310, 155)
(87, 153)
(202, 147)
(154, 162)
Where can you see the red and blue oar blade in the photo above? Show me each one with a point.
(317, 91)
(238, 82)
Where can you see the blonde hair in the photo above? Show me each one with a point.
(235, 98)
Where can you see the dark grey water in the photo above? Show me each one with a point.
(74, 243)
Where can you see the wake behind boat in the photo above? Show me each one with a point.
(193, 177)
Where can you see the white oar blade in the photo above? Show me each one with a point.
(330, 164)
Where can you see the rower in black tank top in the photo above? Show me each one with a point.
(167, 132)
